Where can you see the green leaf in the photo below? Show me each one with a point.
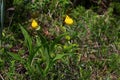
(44, 41)
(15, 56)
(28, 41)
(39, 68)
(48, 66)
(59, 56)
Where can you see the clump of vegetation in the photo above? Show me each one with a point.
(52, 40)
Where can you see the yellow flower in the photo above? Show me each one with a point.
(68, 20)
(34, 24)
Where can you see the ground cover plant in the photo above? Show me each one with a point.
(58, 40)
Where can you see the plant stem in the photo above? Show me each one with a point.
(1, 77)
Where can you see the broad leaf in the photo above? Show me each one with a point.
(59, 56)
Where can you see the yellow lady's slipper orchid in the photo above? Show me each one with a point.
(34, 24)
(68, 20)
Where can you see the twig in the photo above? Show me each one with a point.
(1, 77)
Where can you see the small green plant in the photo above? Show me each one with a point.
(42, 53)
